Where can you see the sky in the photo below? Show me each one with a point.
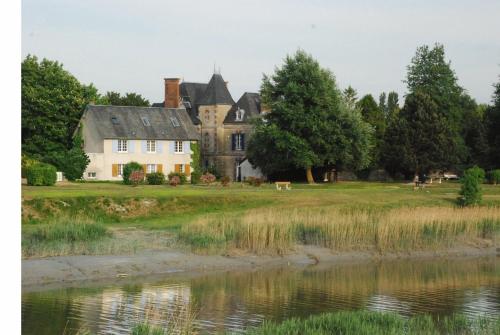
(130, 46)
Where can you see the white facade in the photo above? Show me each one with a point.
(246, 170)
(166, 153)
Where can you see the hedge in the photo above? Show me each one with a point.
(41, 174)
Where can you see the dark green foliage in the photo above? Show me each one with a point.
(475, 135)
(195, 177)
(471, 193)
(41, 174)
(182, 177)
(51, 106)
(26, 162)
(308, 124)
(71, 162)
(494, 177)
(127, 171)
(156, 178)
(374, 115)
(430, 73)
(419, 140)
(350, 97)
(129, 99)
(377, 323)
(492, 125)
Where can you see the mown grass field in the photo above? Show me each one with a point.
(153, 217)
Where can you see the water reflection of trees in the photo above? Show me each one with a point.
(278, 294)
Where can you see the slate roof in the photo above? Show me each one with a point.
(129, 125)
(250, 103)
(216, 92)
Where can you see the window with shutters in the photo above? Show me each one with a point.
(239, 143)
(206, 141)
(122, 146)
(151, 168)
(179, 147)
(181, 168)
(151, 146)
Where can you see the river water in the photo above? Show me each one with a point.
(235, 300)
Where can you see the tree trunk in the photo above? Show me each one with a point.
(309, 175)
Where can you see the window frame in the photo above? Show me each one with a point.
(151, 168)
(149, 145)
(122, 146)
(181, 168)
(237, 142)
(94, 175)
(177, 149)
(120, 169)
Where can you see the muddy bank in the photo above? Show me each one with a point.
(57, 271)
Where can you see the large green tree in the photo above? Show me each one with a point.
(52, 104)
(374, 115)
(129, 99)
(308, 124)
(419, 140)
(492, 128)
(429, 72)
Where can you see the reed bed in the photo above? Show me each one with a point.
(374, 323)
(402, 229)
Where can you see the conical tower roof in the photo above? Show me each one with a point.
(217, 92)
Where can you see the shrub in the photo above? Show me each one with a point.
(41, 174)
(71, 162)
(136, 177)
(470, 193)
(225, 181)
(174, 181)
(254, 181)
(182, 177)
(494, 177)
(207, 178)
(128, 169)
(26, 162)
(195, 177)
(156, 178)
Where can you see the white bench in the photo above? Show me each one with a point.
(283, 184)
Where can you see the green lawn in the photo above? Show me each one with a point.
(166, 208)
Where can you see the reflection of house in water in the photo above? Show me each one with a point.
(120, 310)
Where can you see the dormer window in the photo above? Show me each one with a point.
(114, 120)
(174, 121)
(239, 114)
(145, 121)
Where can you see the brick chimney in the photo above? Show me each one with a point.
(172, 92)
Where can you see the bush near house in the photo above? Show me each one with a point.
(195, 177)
(174, 181)
(225, 181)
(41, 174)
(254, 181)
(182, 177)
(128, 169)
(470, 193)
(156, 178)
(494, 177)
(207, 178)
(136, 177)
(26, 163)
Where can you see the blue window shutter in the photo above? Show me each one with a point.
(172, 146)
(114, 145)
(187, 147)
(130, 144)
(242, 141)
(159, 147)
(233, 142)
(144, 146)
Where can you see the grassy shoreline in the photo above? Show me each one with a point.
(345, 216)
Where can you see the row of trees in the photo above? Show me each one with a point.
(312, 124)
(52, 103)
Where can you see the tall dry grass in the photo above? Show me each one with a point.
(403, 229)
